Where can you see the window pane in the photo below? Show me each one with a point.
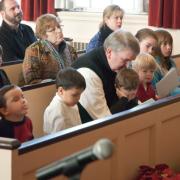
(135, 6)
(100, 4)
(80, 3)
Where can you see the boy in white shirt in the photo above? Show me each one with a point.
(63, 112)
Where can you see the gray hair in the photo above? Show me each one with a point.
(121, 40)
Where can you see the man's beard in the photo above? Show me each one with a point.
(14, 20)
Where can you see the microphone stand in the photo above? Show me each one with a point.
(73, 171)
(75, 176)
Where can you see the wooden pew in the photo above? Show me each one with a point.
(38, 97)
(176, 59)
(13, 69)
(148, 134)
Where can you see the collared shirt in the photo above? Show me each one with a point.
(59, 116)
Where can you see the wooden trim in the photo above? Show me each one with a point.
(175, 56)
(35, 86)
(12, 62)
(75, 131)
(8, 143)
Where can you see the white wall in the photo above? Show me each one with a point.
(81, 26)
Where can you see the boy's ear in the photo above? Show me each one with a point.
(3, 111)
(60, 90)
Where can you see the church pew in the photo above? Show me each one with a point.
(176, 59)
(148, 134)
(38, 97)
(13, 69)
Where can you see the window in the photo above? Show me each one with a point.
(130, 6)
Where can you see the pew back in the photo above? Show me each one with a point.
(38, 97)
(146, 135)
(13, 69)
(176, 59)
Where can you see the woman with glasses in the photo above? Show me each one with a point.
(44, 58)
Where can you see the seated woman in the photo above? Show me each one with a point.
(112, 20)
(162, 55)
(44, 58)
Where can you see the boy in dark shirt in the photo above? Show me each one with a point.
(13, 108)
(126, 83)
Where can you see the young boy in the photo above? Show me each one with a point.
(145, 65)
(63, 111)
(126, 83)
(4, 80)
(13, 108)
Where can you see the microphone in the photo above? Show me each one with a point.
(75, 163)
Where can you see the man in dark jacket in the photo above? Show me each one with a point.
(14, 36)
(99, 68)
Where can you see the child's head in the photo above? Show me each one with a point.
(13, 105)
(165, 43)
(1, 54)
(70, 84)
(147, 40)
(145, 65)
(127, 80)
(112, 17)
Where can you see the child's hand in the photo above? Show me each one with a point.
(157, 97)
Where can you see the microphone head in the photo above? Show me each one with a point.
(103, 148)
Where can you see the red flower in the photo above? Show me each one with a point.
(159, 172)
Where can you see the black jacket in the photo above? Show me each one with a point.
(96, 61)
(15, 42)
(4, 80)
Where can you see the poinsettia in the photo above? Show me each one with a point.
(159, 172)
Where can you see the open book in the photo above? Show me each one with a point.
(147, 101)
(169, 82)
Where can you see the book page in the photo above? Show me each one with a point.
(147, 101)
(168, 83)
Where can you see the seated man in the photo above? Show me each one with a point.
(99, 68)
(14, 37)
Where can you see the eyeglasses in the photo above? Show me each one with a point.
(55, 29)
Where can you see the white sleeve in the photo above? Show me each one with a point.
(93, 98)
(54, 120)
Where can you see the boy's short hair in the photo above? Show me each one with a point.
(144, 61)
(3, 91)
(127, 78)
(70, 78)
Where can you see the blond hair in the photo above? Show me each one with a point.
(144, 61)
(108, 12)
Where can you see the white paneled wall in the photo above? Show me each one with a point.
(81, 26)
